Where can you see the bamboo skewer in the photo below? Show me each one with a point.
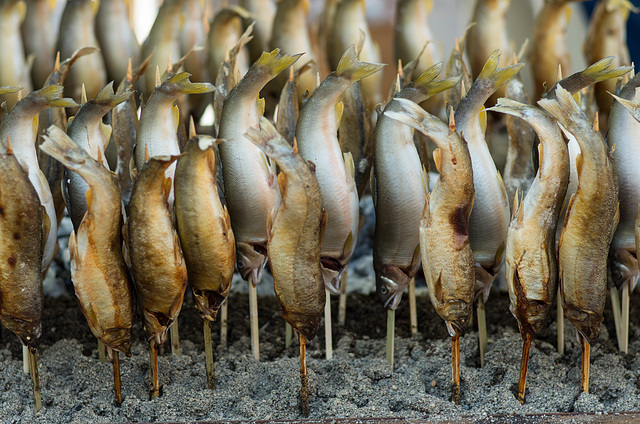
(208, 352)
(101, 352)
(413, 312)
(624, 323)
(586, 357)
(253, 318)
(560, 319)
(328, 336)
(616, 309)
(175, 337)
(455, 369)
(304, 382)
(117, 381)
(524, 365)
(391, 330)
(288, 335)
(342, 304)
(223, 325)
(33, 365)
(25, 359)
(482, 329)
(155, 389)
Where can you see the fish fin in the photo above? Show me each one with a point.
(633, 105)
(563, 107)
(61, 147)
(83, 94)
(89, 197)
(50, 95)
(276, 62)
(579, 163)
(352, 69)
(175, 116)
(166, 187)
(35, 123)
(349, 244)
(108, 97)
(425, 220)
(498, 258)
(282, 183)
(516, 199)
(181, 84)
(338, 110)
(437, 159)
(147, 156)
(428, 83)
(495, 75)
(600, 71)
(73, 246)
(260, 104)
(360, 43)
(271, 216)
(503, 190)
(416, 117)
(46, 226)
(349, 166)
(133, 171)
(105, 131)
(424, 177)
(482, 116)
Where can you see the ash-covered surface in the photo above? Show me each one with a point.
(357, 382)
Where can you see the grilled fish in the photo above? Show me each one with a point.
(225, 32)
(262, 12)
(39, 35)
(286, 115)
(194, 36)
(14, 70)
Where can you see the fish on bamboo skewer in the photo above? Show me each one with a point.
(157, 263)
(399, 192)
(530, 254)
(623, 140)
(98, 271)
(118, 42)
(288, 109)
(22, 235)
(263, 13)
(490, 215)
(14, 70)
(206, 237)
(77, 30)
(592, 217)
(89, 133)
(194, 36)
(447, 258)
(607, 36)
(295, 235)
(18, 126)
(251, 191)
(39, 35)
(225, 32)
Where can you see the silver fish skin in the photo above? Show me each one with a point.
(249, 179)
(399, 192)
(88, 132)
(447, 259)
(77, 30)
(118, 42)
(39, 34)
(623, 139)
(18, 127)
(13, 69)
(530, 255)
(490, 215)
(316, 133)
(592, 218)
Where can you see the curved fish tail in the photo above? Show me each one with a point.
(633, 105)
(427, 82)
(50, 95)
(61, 147)
(416, 117)
(352, 69)
(496, 76)
(108, 97)
(275, 61)
(181, 84)
(597, 72)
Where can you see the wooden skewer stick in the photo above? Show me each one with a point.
(101, 352)
(615, 308)
(155, 390)
(328, 335)
(482, 329)
(117, 381)
(253, 317)
(175, 337)
(288, 335)
(33, 366)
(524, 365)
(208, 352)
(560, 319)
(455, 368)
(304, 382)
(342, 304)
(586, 358)
(223, 325)
(391, 333)
(413, 312)
(624, 323)
(25, 359)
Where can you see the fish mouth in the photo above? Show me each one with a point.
(393, 301)
(331, 273)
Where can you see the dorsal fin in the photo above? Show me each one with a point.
(437, 159)
(158, 80)
(130, 70)
(452, 120)
(56, 67)
(192, 127)
(9, 147)
(596, 122)
(83, 96)
(146, 153)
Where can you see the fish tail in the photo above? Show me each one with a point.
(495, 75)
(275, 61)
(428, 83)
(352, 69)
(50, 95)
(599, 71)
(563, 107)
(107, 97)
(61, 147)
(9, 90)
(180, 83)
(416, 117)
(265, 135)
(633, 105)
(514, 108)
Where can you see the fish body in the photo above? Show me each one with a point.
(295, 234)
(21, 222)
(530, 254)
(224, 33)
(197, 64)
(447, 259)
(204, 227)
(117, 40)
(249, 179)
(14, 70)
(399, 192)
(157, 263)
(591, 220)
(288, 110)
(39, 34)
(20, 127)
(490, 215)
(98, 270)
(89, 133)
(316, 133)
(262, 12)
(77, 30)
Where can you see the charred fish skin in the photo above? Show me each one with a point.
(591, 220)
(204, 227)
(316, 133)
(18, 128)
(295, 234)
(490, 215)
(21, 222)
(89, 133)
(249, 180)
(624, 134)
(530, 254)
(399, 192)
(98, 270)
(447, 258)
(14, 69)
(157, 263)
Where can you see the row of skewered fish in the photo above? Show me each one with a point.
(305, 220)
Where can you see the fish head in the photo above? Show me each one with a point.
(118, 339)
(251, 259)
(457, 314)
(29, 331)
(331, 272)
(623, 268)
(390, 284)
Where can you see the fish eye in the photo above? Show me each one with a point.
(384, 290)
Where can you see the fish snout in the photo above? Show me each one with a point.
(389, 292)
(457, 313)
(118, 339)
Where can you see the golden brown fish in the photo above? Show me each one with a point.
(39, 34)
(14, 70)
(225, 32)
(194, 36)
(286, 115)
(262, 12)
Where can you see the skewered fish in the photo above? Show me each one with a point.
(39, 35)
(14, 70)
